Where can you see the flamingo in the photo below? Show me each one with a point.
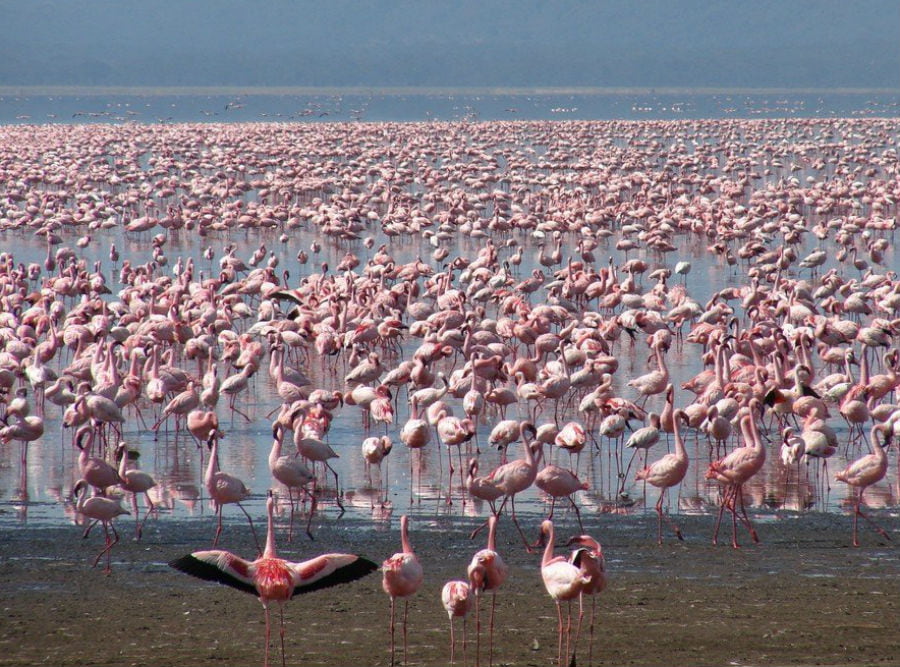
(572, 437)
(293, 474)
(271, 578)
(866, 471)
(182, 404)
(453, 432)
(666, 473)
(402, 577)
(564, 582)
(557, 482)
(99, 509)
(415, 434)
(223, 489)
(513, 478)
(641, 440)
(374, 451)
(27, 429)
(588, 557)
(94, 470)
(457, 600)
(134, 481)
(655, 381)
(734, 470)
(486, 572)
(483, 489)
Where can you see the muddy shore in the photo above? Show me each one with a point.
(803, 596)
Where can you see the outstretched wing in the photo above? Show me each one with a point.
(219, 566)
(329, 570)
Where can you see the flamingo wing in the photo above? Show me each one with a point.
(329, 570)
(220, 566)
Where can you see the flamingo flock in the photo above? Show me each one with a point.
(498, 289)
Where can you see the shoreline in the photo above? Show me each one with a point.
(801, 596)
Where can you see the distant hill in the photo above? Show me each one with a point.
(673, 43)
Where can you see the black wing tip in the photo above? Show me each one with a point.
(196, 567)
(358, 569)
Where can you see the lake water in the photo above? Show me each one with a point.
(40, 492)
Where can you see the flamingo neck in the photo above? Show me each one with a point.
(548, 550)
(269, 551)
(404, 535)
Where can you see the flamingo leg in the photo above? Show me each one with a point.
(577, 629)
(477, 630)
(281, 632)
(218, 524)
(452, 641)
(591, 633)
(745, 519)
(465, 642)
(859, 513)
(723, 503)
(291, 520)
(577, 513)
(252, 528)
(266, 652)
(518, 527)
(559, 633)
(312, 510)
(669, 520)
(393, 601)
(151, 507)
(491, 630)
(405, 633)
(337, 490)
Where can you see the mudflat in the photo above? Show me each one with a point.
(802, 596)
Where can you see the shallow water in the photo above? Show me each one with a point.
(40, 493)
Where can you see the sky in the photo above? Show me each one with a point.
(825, 44)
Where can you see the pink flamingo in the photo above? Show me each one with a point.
(457, 600)
(487, 572)
(734, 470)
(271, 578)
(483, 489)
(866, 471)
(666, 473)
(572, 437)
(294, 474)
(223, 489)
(588, 557)
(93, 469)
(513, 478)
(557, 482)
(402, 577)
(135, 481)
(564, 582)
(99, 509)
(655, 381)
(374, 451)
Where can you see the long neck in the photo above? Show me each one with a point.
(213, 464)
(270, 532)
(276, 448)
(404, 535)
(680, 451)
(123, 463)
(492, 533)
(548, 550)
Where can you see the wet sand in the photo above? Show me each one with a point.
(803, 596)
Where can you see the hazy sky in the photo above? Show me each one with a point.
(652, 43)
